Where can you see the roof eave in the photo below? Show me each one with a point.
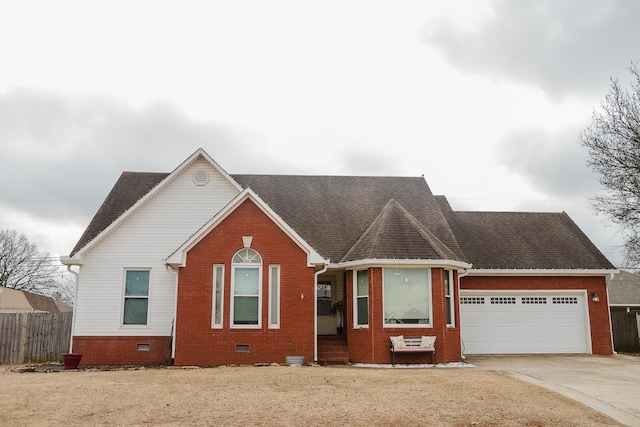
(161, 185)
(179, 257)
(384, 262)
(541, 272)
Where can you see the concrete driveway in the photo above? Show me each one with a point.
(609, 384)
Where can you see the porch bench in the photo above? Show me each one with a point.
(423, 344)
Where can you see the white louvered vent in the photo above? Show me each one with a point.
(200, 178)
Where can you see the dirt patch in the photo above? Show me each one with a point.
(264, 396)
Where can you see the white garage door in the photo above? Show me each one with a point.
(517, 323)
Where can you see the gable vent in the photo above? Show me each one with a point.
(201, 178)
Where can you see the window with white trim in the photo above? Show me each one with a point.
(218, 296)
(361, 291)
(136, 297)
(448, 297)
(274, 296)
(246, 289)
(406, 297)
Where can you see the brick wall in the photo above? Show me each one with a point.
(197, 343)
(598, 311)
(113, 350)
(371, 345)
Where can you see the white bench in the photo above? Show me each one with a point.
(423, 344)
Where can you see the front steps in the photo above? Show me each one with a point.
(332, 350)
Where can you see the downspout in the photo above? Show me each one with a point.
(315, 308)
(606, 286)
(464, 273)
(75, 304)
(175, 313)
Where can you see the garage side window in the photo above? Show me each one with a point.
(246, 289)
(136, 297)
(406, 297)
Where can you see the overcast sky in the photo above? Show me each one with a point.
(484, 98)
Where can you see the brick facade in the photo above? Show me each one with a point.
(598, 311)
(113, 350)
(371, 344)
(197, 343)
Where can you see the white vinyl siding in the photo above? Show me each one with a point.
(146, 238)
(518, 322)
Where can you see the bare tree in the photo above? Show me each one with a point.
(613, 142)
(23, 267)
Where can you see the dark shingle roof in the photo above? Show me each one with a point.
(523, 240)
(349, 218)
(130, 187)
(397, 234)
(332, 212)
(624, 288)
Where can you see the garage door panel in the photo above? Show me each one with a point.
(521, 324)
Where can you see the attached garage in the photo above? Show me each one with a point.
(524, 322)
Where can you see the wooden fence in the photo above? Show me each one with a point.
(34, 337)
(626, 330)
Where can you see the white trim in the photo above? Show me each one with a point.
(200, 153)
(411, 325)
(540, 272)
(356, 325)
(451, 297)
(400, 263)
(235, 267)
(147, 325)
(179, 257)
(276, 324)
(214, 325)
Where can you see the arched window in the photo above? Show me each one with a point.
(246, 289)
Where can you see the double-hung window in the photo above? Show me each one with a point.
(361, 291)
(246, 293)
(448, 297)
(406, 294)
(136, 297)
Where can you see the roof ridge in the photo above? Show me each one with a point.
(376, 228)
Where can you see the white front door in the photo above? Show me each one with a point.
(513, 322)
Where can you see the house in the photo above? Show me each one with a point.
(624, 292)
(19, 301)
(200, 267)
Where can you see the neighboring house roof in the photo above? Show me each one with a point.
(523, 240)
(351, 218)
(624, 289)
(17, 301)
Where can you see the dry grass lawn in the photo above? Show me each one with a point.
(286, 396)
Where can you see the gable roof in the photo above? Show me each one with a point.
(523, 240)
(130, 187)
(350, 218)
(397, 234)
(332, 212)
(624, 289)
(132, 190)
(178, 257)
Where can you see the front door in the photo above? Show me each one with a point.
(326, 322)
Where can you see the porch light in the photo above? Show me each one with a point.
(595, 297)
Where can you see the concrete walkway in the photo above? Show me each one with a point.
(609, 384)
